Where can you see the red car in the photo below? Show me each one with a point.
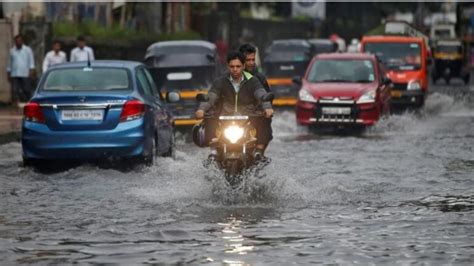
(343, 89)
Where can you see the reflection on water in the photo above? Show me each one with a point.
(461, 165)
(447, 203)
(234, 242)
(231, 233)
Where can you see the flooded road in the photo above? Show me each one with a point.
(401, 193)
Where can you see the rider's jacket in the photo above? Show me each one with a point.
(225, 101)
(262, 79)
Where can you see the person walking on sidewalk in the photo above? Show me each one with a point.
(82, 52)
(56, 56)
(21, 70)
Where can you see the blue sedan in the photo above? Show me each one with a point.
(96, 110)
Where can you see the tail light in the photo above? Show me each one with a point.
(132, 110)
(32, 112)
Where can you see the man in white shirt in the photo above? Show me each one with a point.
(56, 56)
(20, 69)
(82, 52)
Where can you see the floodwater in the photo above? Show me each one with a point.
(400, 193)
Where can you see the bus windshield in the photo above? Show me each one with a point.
(401, 56)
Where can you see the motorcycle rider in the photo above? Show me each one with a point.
(236, 92)
(250, 52)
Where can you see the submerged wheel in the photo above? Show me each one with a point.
(29, 162)
(447, 80)
(150, 158)
(466, 79)
(233, 172)
(172, 150)
(420, 102)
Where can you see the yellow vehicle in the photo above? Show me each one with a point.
(283, 61)
(449, 61)
(186, 67)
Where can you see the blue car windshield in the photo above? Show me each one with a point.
(87, 79)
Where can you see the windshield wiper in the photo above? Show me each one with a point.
(363, 81)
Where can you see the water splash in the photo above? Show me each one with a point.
(284, 125)
(424, 121)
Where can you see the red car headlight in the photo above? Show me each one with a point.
(305, 96)
(368, 97)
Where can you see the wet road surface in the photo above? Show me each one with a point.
(401, 193)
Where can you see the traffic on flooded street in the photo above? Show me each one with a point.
(205, 143)
(401, 192)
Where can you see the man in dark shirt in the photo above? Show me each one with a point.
(250, 52)
(237, 92)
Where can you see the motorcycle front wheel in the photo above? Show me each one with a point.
(233, 169)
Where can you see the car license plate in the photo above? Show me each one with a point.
(282, 90)
(336, 110)
(287, 68)
(396, 94)
(82, 115)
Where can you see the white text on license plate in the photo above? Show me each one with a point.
(336, 111)
(82, 114)
(286, 68)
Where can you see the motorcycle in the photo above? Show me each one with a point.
(234, 144)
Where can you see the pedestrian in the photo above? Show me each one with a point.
(55, 56)
(82, 52)
(20, 70)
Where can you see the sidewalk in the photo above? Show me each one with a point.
(10, 124)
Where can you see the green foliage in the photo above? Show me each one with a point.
(101, 33)
(245, 13)
(302, 18)
(379, 30)
(185, 35)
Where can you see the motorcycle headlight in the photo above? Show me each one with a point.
(306, 96)
(233, 133)
(368, 97)
(414, 85)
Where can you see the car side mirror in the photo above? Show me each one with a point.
(268, 97)
(173, 97)
(201, 97)
(386, 81)
(297, 80)
(211, 58)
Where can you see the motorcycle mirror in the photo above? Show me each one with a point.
(297, 80)
(173, 97)
(201, 97)
(268, 97)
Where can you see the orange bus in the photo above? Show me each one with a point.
(406, 61)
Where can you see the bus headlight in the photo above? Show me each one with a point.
(414, 85)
